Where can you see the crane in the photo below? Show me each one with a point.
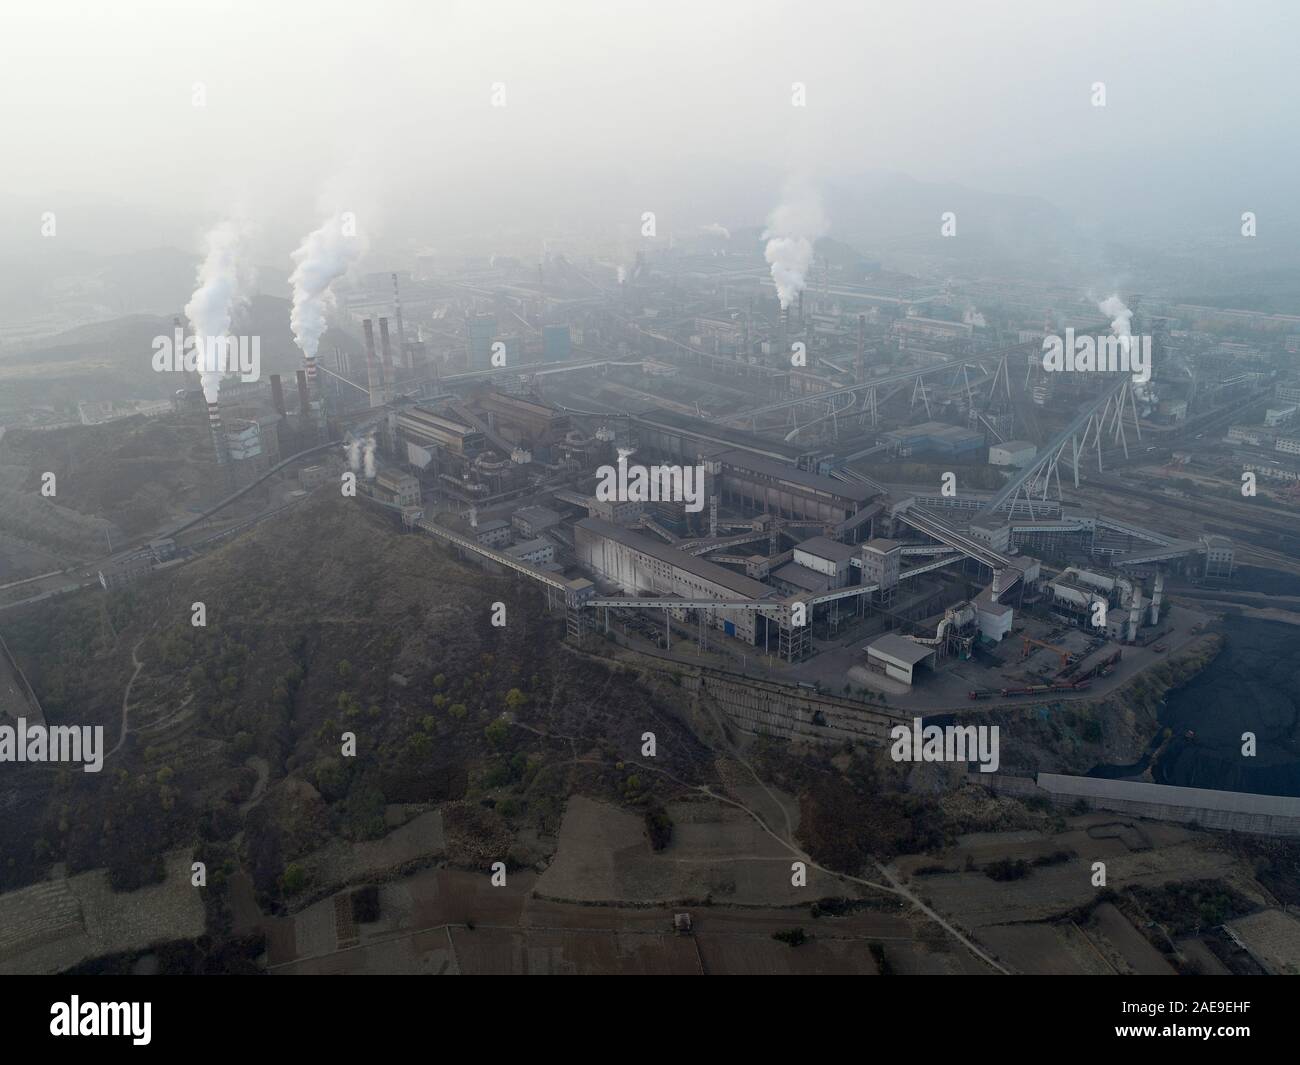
(1025, 651)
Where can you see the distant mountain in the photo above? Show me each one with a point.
(112, 359)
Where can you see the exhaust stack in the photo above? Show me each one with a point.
(214, 426)
(1156, 594)
(860, 373)
(374, 380)
(277, 395)
(407, 358)
(386, 348)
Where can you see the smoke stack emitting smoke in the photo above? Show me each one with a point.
(323, 257)
(222, 287)
(1121, 320)
(791, 230)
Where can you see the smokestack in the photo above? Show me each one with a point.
(783, 334)
(387, 350)
(277, 395)
(309, 371)
(860, 374)
(1134, 616)
(304, 407)
(1156, 593)
(373, 378)
(407, 360)
(214, 425)
(801, 318)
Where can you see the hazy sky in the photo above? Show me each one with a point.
(384, 107)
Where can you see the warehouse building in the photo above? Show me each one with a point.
(934, 438)
(640, 565)
(752, 482)
(897, 658)
(1017, 453)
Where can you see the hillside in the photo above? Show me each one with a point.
(330, 621)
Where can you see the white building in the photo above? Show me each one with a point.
(494, 533)
(827, 557)
(896, 657)
(537, 551)
(1017, 453)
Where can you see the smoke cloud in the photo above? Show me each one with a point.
(715, 229)
(361, 455)
(791, 230)
(323, 257)
(222, 286)
(1121, 319)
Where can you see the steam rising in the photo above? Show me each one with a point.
(361, 455)
(1121, 320)
(791, 230)
(222, 287)
(714, 229)
(323, 257)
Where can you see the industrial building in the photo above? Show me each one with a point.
(897, 657)
(754, 483)
(934, 438)
(640, 565)
(1013, 453)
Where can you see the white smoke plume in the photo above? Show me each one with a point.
(222, 286)
(715, 229)
(323, 257)
(791, 230)
(361, 455)
(1121, 319)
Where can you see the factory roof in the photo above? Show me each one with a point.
(1016, 445)
(1169, 795)
(743, 587)
(712, 431)
(882, 545)
(802, 577)
(985, 602)
(745, 460)
(535, 514)
(824, 547)
(491, 526)
(900, 650)
(529, 546)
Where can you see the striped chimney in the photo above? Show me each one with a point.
(214, 425)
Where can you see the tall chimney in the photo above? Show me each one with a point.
(1156, 594)
(860, 374)
(385, 347)
(214, 426)
(304, 407)
(782, 335)
(309, 369)
(1134, 616)
(407, 360)
(801, 317)
(277, 395)
(374, 381)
